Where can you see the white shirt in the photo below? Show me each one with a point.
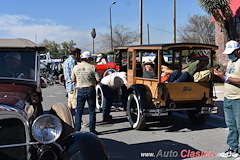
(101, 60)
(115, 80)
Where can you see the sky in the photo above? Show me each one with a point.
(65, 20)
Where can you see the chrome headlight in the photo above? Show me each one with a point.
(46, 128)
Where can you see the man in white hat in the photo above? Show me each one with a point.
(232, 98)
(85, 75)
(101, 60)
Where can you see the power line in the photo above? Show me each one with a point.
(163, 30)
(133, 30)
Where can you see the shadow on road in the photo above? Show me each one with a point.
(165, 149)
(177, 122)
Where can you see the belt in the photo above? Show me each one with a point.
(85, 87)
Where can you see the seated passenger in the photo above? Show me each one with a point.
(14, 67)
(197, 71)
(149, 70)
(166, 72)
(163, 61)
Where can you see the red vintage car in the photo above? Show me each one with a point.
(103, 69)
(110, 67)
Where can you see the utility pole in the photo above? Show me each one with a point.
(148, 34)
(140, 27)
(110, 13)
(174, 21)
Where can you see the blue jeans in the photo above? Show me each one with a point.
(178, 76)
(83, 95)
(108, 94)
(232, 119)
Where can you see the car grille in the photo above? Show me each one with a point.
(12, 131)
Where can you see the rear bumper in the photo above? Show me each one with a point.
(164, 111)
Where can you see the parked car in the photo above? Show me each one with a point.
(46, 59)
(110, 67)
(145, 98)
(27, 133)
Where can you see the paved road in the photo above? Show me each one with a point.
(171, 138)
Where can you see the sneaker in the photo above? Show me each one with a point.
(229, 153)
(107, 118)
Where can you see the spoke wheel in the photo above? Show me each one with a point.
(99, 98)
(61, 79)
(108, 71)
(135, 117)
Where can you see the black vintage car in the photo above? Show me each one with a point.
(25, 131)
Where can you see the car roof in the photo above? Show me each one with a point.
(19, 44)
(168, 46)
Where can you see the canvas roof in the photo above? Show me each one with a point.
(19, 43)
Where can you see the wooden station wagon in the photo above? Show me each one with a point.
(145, 98)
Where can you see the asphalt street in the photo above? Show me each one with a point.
(174, 137)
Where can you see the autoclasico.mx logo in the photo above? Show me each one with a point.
(185, 153)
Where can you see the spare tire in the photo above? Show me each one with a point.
(108, 71)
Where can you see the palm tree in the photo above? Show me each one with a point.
(223, 15)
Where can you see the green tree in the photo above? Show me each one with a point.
(51, 46)
(198, 29)
(223, 15)
(66, 47)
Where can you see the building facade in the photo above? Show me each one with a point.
(220, 38)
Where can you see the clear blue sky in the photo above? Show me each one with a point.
(64, 20)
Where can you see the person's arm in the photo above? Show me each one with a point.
(97, 75)
(224, 77)
(73, 76)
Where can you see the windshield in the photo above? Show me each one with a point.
(148, 56)
(18, 65)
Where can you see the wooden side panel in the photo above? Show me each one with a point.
(151, 83)
(130, 77)
(183, 91)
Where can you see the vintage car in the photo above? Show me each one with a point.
(103, 69)
(111, 66)
(146, 98)
(26, 131)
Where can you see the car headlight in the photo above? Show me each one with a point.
(46, 128)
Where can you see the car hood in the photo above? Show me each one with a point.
(14, 95)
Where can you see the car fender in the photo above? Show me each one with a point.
(63, 113)
(83, 146)
(144, 95)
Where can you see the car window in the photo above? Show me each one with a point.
(18, 65)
